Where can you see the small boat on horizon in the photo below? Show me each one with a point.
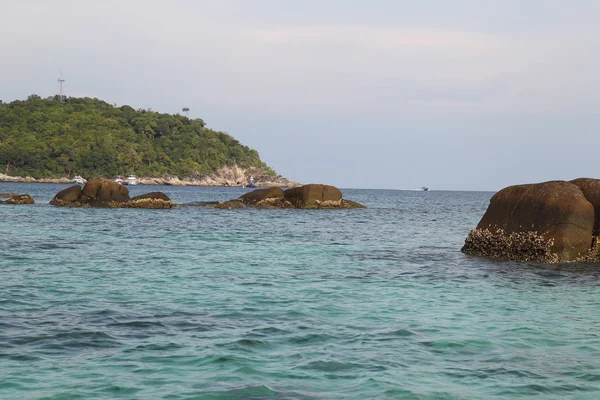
(424, 188)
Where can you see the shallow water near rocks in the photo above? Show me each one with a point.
(198, 303)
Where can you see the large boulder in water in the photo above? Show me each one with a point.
(547, 222)
(67, 195)
(314, 196)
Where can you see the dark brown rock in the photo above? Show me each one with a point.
(90, 190)
(112, 191)
(314, 196)
(591, 190)
(68, 195)
(152, 195)
(258, 195)
(549, 222)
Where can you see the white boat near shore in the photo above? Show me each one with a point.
(131, 180)
(78, 180)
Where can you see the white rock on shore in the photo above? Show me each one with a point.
(29, 179)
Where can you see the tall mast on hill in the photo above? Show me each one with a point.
(60, 83)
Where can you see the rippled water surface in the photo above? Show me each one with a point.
(197, 303)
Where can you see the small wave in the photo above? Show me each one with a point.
(330, 366)
(156, 347)
(138, 324)
(250, 392)
(68, 340)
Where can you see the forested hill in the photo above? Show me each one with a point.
(45, 138)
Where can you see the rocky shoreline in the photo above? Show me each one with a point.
(226, 176)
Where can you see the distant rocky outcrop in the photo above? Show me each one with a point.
(17, 199)
(550, 222)
(103, 193)
(313, 196)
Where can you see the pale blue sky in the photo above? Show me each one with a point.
(458, 94)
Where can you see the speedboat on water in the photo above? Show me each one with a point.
(78, 180)
(251, 183)
(424, 188)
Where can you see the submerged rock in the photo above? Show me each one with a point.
(546, 222)
(351, 204)
(19, 199)
(199, 204)
(231, 205)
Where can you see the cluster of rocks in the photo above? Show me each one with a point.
(311, 196)
(14, 198)
(549, 222)
(103, 193)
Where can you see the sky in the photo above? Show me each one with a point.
(453, 95)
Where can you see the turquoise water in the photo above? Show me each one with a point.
(197, 303)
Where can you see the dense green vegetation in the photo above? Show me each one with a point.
(45, 138)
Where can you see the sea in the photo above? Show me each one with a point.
(201, 303)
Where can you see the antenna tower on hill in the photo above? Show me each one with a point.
(60, 84)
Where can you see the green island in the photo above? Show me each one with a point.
(47, 138)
